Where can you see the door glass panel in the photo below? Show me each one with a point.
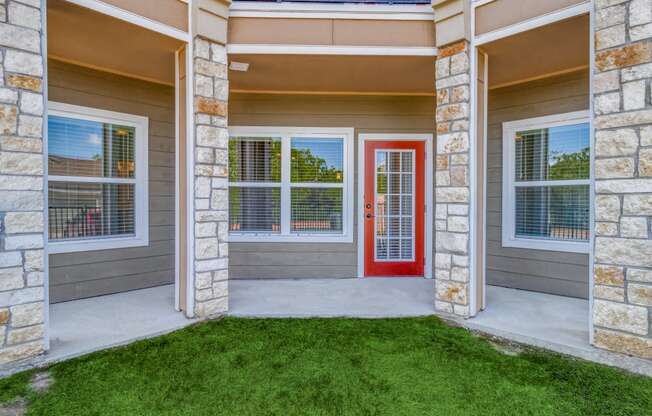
(394, 200)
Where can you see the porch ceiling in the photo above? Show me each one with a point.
(556, 48)
(84, 37)
(335, 74)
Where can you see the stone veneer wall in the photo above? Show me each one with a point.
(21, 181)
(452, 192)
(622, 308)
(211, 94)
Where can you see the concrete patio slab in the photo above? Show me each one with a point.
(538, 315)
(363, 298)
(551, 322)
(555, 323)
(83, 326)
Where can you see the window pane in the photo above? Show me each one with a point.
(90, 148)
(83, 210)
(255, 209)
(394, 202)
(558, 153)
(255, 159)
(553, 212)
(317, 160)
(317, 210)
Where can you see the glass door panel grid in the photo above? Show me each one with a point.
(394, 205)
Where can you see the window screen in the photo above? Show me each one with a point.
(287, 185)
(551, 195)
(316, 160)
(255, 175)
(92, 186)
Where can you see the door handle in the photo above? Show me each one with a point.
(368, 206)
(369, 215)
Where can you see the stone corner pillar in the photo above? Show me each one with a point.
(22, 105)
(622, 105)
(452, 186)
(211, 139)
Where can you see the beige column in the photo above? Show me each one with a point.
(211, 140)
(622, 291)
(22, 273)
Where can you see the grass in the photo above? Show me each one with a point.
(330, 367)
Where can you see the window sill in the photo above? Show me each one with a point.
(547, 245)
(75, 246)
(270, 238)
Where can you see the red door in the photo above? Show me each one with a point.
(393, 207)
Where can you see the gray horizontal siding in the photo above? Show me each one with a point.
(367, 114)
(542, 271)
(87, 274)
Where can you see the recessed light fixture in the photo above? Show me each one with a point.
(239, 66)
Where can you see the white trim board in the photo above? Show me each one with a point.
(46, 226)
(285, 134)
(264, 49)
(331, 11)
(133, 18)
(429, 191)
(190, 180)
(592, 71)
(141, 200)
(509, 239)
(177, 185)
(478, 3)
(533, 23)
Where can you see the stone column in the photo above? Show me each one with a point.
(622, 306)
(211, 94)
(22, 291)
(452, 193)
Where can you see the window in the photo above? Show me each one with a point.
(97, 179)
(290, 184)
(546, 183)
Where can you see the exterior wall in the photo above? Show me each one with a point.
(22, 277)
(452, 18)
(86, 274)
(501, 13)
(541, 271)
(452, 185)
(623, 170)
(339, 32)
(367, 114)
(170, 12)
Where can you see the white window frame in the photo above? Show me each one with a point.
(510, 184)
(286, 134)
(141, 201)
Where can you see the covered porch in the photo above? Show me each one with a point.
(551, 322)
(116, 137)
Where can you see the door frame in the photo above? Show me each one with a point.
(429, 191)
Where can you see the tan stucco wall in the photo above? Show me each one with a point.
(501, 13)
(251, 30)
(170, 12)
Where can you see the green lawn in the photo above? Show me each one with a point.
(330, 367)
